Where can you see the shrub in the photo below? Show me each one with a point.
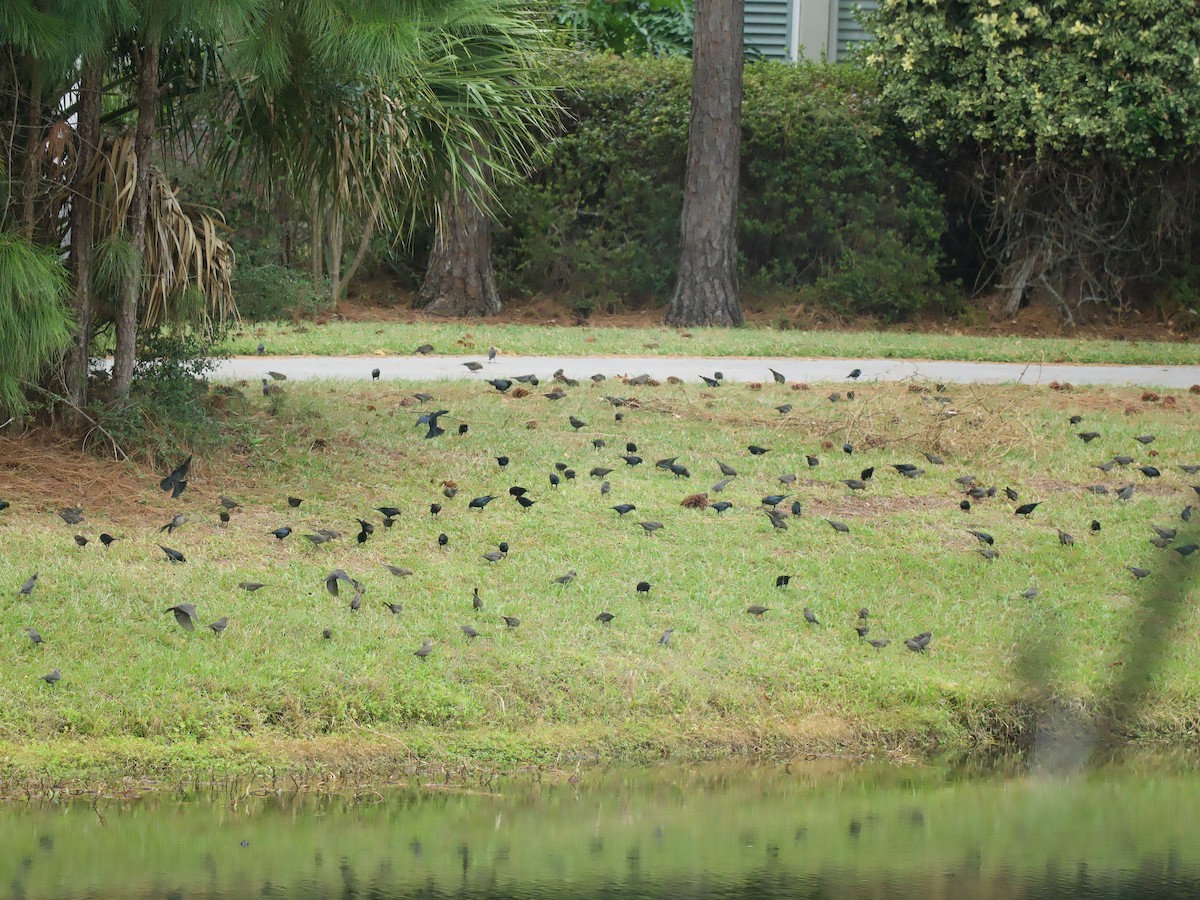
(826, 190)
(268, 292)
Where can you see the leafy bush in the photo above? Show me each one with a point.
(269, 292)
(826, 189)
(1080, 119)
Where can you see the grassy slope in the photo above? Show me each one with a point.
(271, 689)
(457, 338)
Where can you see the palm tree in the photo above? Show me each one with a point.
(374, 110)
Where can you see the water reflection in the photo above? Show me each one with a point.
(822, 830)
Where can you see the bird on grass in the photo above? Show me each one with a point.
(643, 587)
(469, 631)
(757, 611)
(425, 649)
(919, 643)
(810, 617)
(52, 678)
(176, 522)
(394, 608)
(664, 639)
(1026, 509)
(34, 636)
(779, 379)
(605, 617)
(840, 527)
(250, 586)
(176, 481)
(220, 625)
(185, 615)
(173, 555)
(511, 621)
(778, 519)
(106, 539)
(80, 541)
(878, 643)
(481, 502)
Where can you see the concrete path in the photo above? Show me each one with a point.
(432, 368)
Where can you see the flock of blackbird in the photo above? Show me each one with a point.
(777, 507)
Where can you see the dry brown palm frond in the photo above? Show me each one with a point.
(185, 255)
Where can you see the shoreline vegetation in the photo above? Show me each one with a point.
(142, 698)
(472, 339)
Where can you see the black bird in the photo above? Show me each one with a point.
(424, 349)
(782, 580)
(34, 636)
(511, 621)
(175, 482)
(773, 500)
(525, 502)
(390, 512)
(576, 422)
(80, 540)
(1075, 420)
(476, 600)
(184, 613)
(1149, 471)
(250, 586)
(425, 649)
(919, 643)
(622, 508)
(481, 502)
(605, 617)
(443, 539)
(565, 579)
(599, 443)
(784, 408)
(982, 536)
(327, 633)
(435, 508)
(473, 366)
(517, 491)
(1029, 593)
(1026, 508)
(374, 374)
(220, 625)
(332, 579)
(631, 459)
(854, 374)
(1137, 572)
(261, 349)
(502, 461)
(847, 448)
(52, 677)
(600, 471)
(1095, 525)
(711, 382)
(266, 390)
(679, 470)
(840, 527)
(864, 613)
(1088, 436)
(72, 515)
(500, 384)
(469, 631)
(1011, 494)
(721, 505)
(173, 555)
(4, 504)
(294, 502)
(643, 587)
(778, 519)
(867, 473)
(1123, 460)
(965, 505)
(1145, 439)
(223, 515)
(810, 617)
(555, 481)
(755, 450)
(1186, 550)
(1167, 533)
(862, 630)
(779, 379)
(813, 461)
(666, 463)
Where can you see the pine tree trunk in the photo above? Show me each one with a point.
(459, 280)
(87, 135)
(706, 287)
(125, 352)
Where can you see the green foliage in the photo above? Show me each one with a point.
(827, 197)
(1080, 77)
(169, 405)
(658, 27)
(270, 292)
(35, 324)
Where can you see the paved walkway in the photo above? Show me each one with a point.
(421, 368)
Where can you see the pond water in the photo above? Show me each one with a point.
(813, 829)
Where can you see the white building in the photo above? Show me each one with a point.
(804, 29)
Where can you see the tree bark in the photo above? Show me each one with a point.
(33, 156)
(706, 287)
(87, 136)
(125, 352)
(459, 280)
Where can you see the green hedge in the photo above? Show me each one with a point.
(830, 206)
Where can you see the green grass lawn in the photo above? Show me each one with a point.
(473, 339)
(136, 684)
